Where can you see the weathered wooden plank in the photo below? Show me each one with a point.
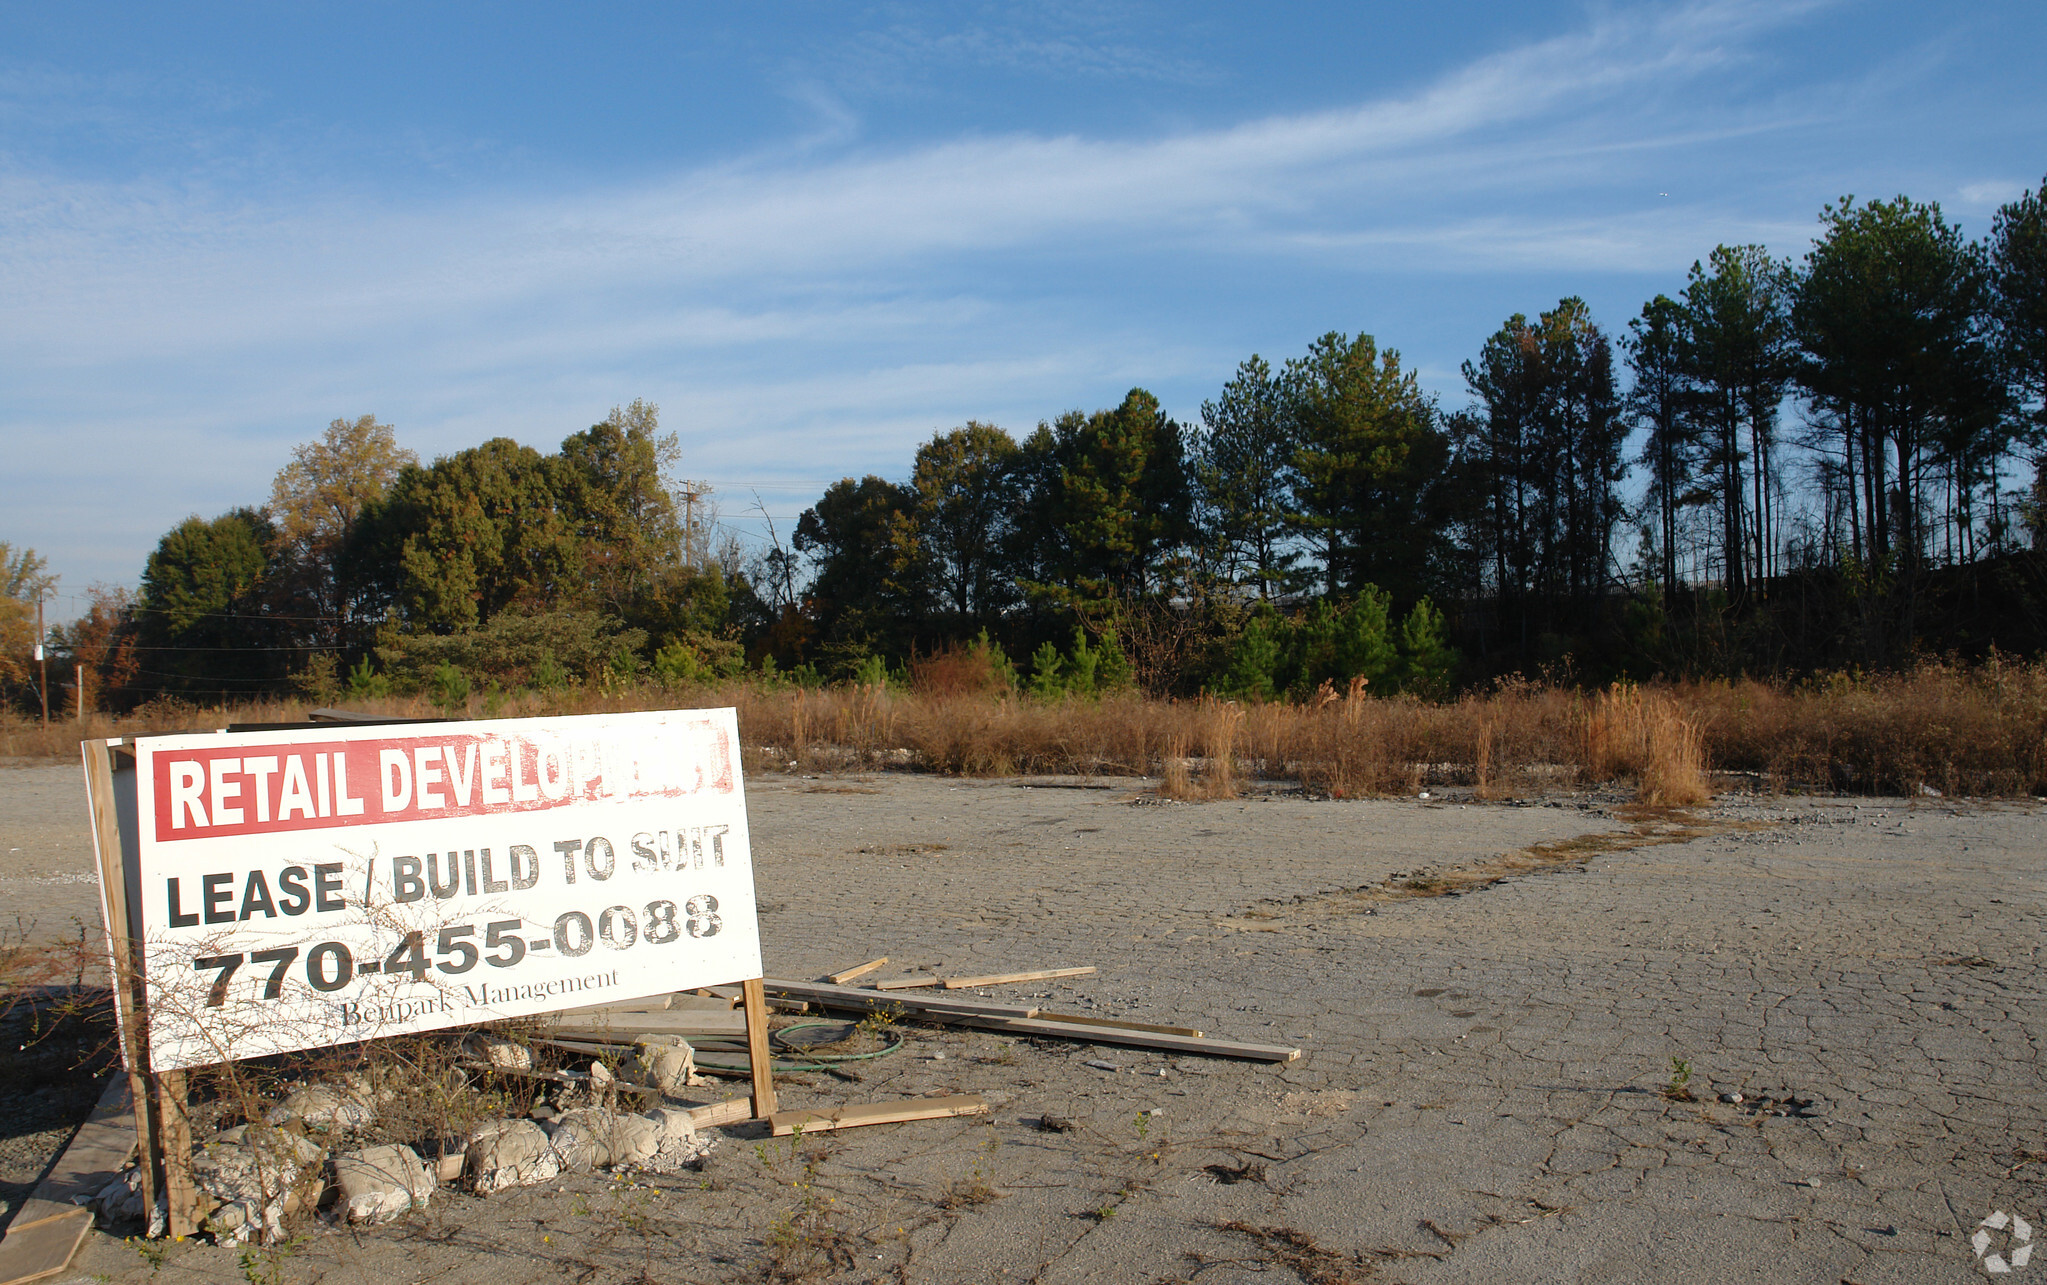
(97, 1154)
(1128, 1026)
(1135, 1039)
(785, 1123)
(904, 983)
(757, 1055)
(730, 1111)
(724, 1022)
(862, 999)
(41, 1249)
(126, 973)
(1000, 979)
(861, 970)
(651, 1004)
(180, 1192)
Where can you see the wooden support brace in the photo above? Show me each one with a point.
(182, 1194)
(757, 1055)
(123, 959)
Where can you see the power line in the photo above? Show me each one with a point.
(305, 647)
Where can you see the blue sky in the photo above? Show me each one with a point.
(816, 233)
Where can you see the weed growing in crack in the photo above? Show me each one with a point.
(804, 1241)
(153, 1252)
(1679, 1087)
(978, 1187)
(1298, 1252)
(264, 1264)
(877, 1024)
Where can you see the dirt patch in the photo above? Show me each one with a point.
(1652, 827)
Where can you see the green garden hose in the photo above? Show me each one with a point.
(809, 1061)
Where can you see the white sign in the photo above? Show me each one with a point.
(313, 887)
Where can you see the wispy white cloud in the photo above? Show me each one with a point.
(82, 256)
(819, 305)
(1990, 194)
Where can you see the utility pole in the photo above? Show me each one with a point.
(691, 493)
(43, 659)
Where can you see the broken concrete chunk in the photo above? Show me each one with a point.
(593, 1138)
(680, 1144)
(265, 1164)
(380, 1183)
(121, 1198)
(253, 1183)
(504, 1055)
(509, 1153)
(668, 1065)
(325, 1106)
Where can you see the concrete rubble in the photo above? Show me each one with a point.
(509, 1153)
(667, 1063)
(378, 1184)
(338, 1106)
(250, 1177)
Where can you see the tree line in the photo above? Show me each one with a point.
(1781, 466)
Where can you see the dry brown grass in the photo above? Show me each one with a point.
(1977, 731)
(1644, 736)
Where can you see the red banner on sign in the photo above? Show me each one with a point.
(317, 785)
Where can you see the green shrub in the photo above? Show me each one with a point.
(1333, 642)
(545, 650)
(450, 688)
(365, 683)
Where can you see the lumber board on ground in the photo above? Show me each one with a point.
(999, 979)
(43, 1248)
(1134, 1039)
(904, 983)
(1127, 1026)
(98, 1152)
(50, 1226)
(730, 1111)
(862, 999)
(627, 1025)
(860, 970)
(785, 1123)
(653, 1004)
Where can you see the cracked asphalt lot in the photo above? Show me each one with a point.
(1494, 1086)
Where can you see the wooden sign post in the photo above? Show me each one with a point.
(758, 1058)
